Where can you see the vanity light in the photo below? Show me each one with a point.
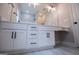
(51, 9)
(34, 4)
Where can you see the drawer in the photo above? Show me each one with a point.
(32, 44)
(33, 34)
(32, 27)
(7, 25)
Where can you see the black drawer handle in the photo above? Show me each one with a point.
(33, 43)
(33, 27)
(12, 35)
(15, 35)
(33, 34)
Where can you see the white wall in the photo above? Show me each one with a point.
(64, 19)
(5, 12)
(62, 16)
(52, 19)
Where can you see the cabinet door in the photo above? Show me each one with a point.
(19, 39)
(51, 37)
(6, 41)
(75, 23)
(46, 38)
(77, 10)
(76, 33)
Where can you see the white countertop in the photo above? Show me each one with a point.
(57, 28)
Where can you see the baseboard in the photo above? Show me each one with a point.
(39, 49)
(57, 42)
(71, 44)
(22, 51)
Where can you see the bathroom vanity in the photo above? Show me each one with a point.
(25, 36)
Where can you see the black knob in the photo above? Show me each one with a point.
(75, 22)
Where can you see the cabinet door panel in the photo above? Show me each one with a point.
(46, 38)
(75, 23)
(20, 40)
(6, 40)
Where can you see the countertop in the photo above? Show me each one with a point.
(30, 23)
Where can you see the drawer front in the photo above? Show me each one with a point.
(5, 25)
(32, 27)
(32, 44)
(33, 34)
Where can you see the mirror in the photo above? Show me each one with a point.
(31, 12)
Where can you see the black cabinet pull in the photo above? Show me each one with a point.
(15, 35)
(75, 22)
(48, 35)
(33, 27)
(12, 35)
(33, 34)
(33, 43)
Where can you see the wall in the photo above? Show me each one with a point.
(52, 19)
(5, 12)
(64, 19)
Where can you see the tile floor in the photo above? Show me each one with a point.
(61, 50)
(58, 50)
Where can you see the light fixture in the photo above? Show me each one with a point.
(50, 9)
(53, 9)
(34, 4)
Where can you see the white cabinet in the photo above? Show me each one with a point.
(18, 36)
(77, 10)
(12, 36)
(20, 39)
(12, 39)
(6, 40)
(46, 38)
(32, 41)
(40, 36)
(75, 23)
